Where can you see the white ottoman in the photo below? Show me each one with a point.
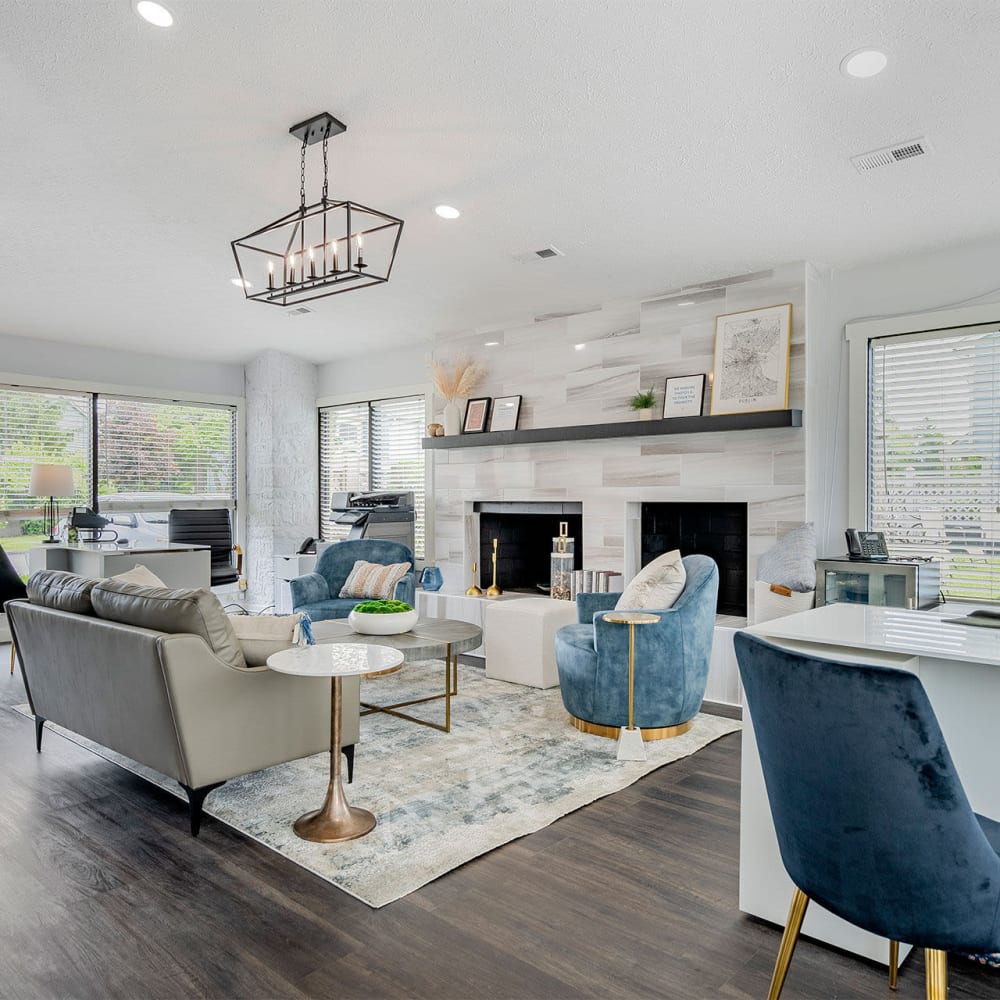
(521, 639)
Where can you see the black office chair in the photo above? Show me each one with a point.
(209, 527)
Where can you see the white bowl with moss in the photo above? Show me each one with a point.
(382, 617)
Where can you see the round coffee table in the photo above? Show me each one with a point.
(335, 820)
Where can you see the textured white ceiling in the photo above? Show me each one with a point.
(656, 142)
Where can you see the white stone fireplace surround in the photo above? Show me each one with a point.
(582, 369)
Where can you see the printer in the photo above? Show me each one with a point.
(386, 514)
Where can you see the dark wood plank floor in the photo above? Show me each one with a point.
(104, 894)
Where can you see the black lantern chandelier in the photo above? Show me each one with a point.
(320, 249)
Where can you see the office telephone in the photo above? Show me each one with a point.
(866, 544)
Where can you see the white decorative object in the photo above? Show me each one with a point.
(646, 413)
(683, 395)
(393, 624)
(452, 418)
(655, 586)
(771, 600)
(521, 639)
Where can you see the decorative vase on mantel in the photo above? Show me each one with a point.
(452, 418)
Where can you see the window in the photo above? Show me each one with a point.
(368, 447)
(39, 426)
(154, 455)
(934, 453)
(150, 456)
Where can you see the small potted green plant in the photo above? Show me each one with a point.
(382, 617)
(643, 402)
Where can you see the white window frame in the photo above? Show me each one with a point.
(394, 392)
(18, 379)
(859, 334)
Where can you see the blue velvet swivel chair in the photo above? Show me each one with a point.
(871, 817)
(318, 593)
(671, 660)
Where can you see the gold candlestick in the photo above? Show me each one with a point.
(493, 590)
(473, 591)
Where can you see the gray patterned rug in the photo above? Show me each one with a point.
(511, 765)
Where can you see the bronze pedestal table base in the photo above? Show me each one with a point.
(335, 820)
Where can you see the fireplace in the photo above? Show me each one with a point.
(718, 530)
(525, 532)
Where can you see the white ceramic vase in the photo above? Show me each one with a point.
(452, 418)
(393, 624)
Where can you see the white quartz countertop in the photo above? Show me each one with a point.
(914, 633)
(146, 547)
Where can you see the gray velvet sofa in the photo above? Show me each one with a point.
(159, 676)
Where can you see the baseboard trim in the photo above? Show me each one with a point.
(723, 709)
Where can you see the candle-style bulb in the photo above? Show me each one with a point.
(335, 255)
(312, 263)
(270, 274)
(291, 269)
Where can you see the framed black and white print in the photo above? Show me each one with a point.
(751, 360)
(506, 410)
(476, 411)
(683, 396)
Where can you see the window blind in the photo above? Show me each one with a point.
(41, 426)
(155, 455)
(397, 459)
(372, 446)
(934, 453)
(343, 461)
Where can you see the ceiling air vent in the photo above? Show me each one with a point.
(867, 162)
(544, 254)
(299, 311)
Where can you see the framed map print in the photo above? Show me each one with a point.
(751, 360)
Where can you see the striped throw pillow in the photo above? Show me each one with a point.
(374, 580)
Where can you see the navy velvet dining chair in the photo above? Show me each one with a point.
(870, 814)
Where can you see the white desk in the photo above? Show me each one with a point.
(176, 564)
(958, 666)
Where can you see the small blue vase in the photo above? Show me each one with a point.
(431, 578)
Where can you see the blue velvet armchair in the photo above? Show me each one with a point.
(318, 593)
(671, 660)
(870, 814)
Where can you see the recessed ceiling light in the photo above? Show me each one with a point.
(154, 13)
(241, 283)
(863, 63)
(492, 343)
(447, 212)
(686, 302)
(579, 347)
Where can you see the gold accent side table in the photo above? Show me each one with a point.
(335, 820)
(630, 745)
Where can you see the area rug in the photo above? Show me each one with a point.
(511, 765)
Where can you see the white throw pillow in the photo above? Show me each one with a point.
(791, 561)
(261, 635)
(655, 586)
(140, 576)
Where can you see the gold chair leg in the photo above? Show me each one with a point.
(796, 914)
(12, 657)
(936, 965)
(893, 965)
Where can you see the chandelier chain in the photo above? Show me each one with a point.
(302, 177)
(326, 170)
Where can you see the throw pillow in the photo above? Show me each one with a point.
(171, 611)
(261, 635)
(656, 586)
(140, 575)
(791, 561)
(374, 580)
(55, 588)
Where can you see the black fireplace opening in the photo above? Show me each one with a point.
(718, 530)
(524, 532)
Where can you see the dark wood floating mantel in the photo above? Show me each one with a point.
(632, 428)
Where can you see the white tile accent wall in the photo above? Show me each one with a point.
(282, 473)
(628, 346)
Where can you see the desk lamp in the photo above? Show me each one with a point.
(51, 481)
